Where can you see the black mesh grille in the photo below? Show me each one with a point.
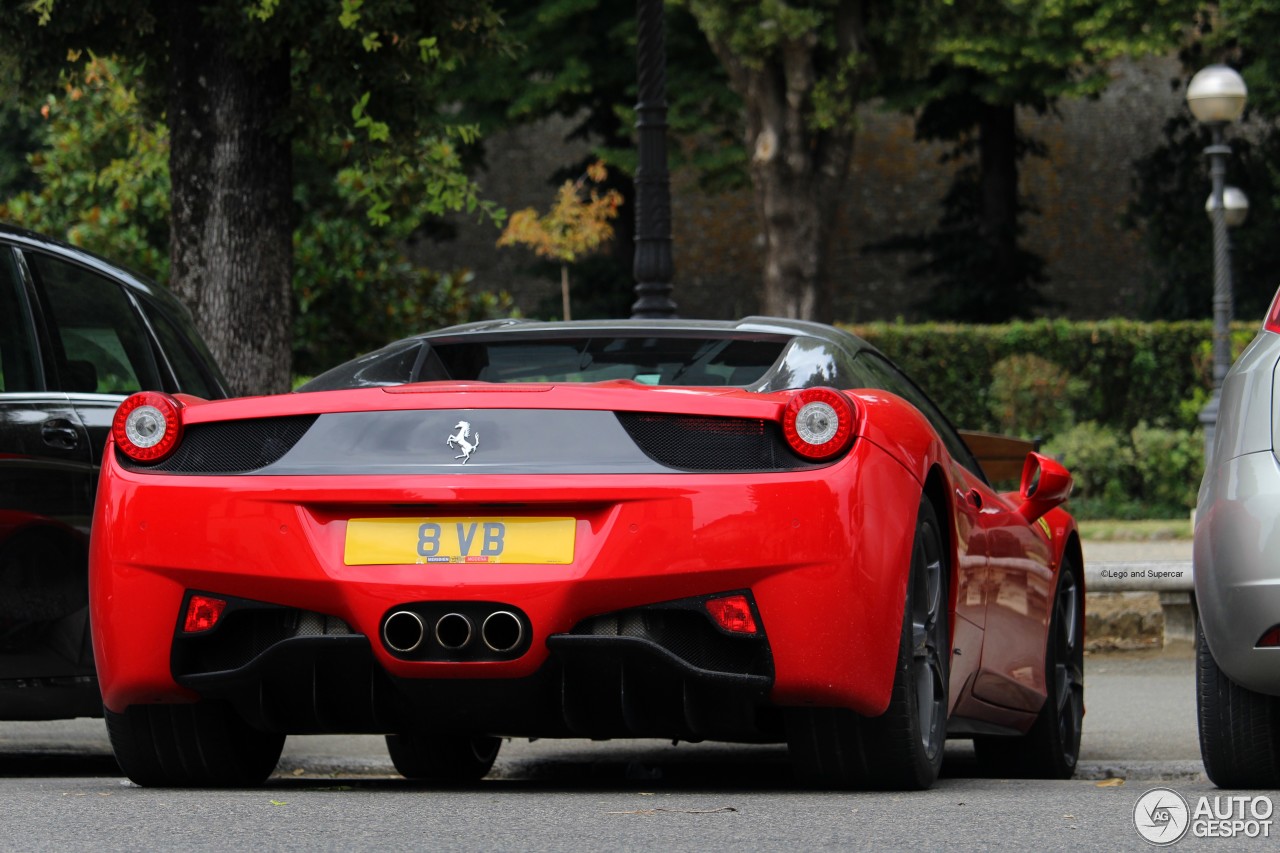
(705, 443)
(229, 447)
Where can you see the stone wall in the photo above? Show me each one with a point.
(1095, 266)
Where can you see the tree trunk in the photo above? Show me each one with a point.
(232, 219)
(564, 290)
(798, 172)
(998, 161)
(799, 179)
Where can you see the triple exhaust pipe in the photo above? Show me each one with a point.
(501, 632)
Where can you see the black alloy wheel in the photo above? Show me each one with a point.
(901, 749)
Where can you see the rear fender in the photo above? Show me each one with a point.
(846, 655)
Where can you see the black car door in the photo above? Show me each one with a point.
(47, 482)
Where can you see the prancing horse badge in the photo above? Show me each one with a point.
(462, 440)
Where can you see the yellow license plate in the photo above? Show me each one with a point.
(379, 541)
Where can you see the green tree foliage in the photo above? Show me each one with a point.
(242, 84)
(102, 170)
(19, 129)
(576, 60)
(801, 71)
(578, 224)
(989, 59)
(103, 183)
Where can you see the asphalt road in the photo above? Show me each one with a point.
(59, 789)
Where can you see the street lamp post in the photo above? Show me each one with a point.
(653, 268)
(1216, 96)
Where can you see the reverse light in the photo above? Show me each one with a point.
(203, 613)
(147, 426)
(1271, 639)
(818, 423)
(733, 614)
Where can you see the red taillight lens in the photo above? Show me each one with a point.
(733, 613)
(1272, 323)
(147, 426)
(818, 423)
(203, 612)
(1271, 639)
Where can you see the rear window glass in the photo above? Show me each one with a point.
(18, 358)
(100, 342)
(649, 360)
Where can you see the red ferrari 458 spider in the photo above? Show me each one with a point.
(744, 531)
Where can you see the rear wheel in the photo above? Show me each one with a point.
(1239, 729)
(1051, 748)
(184, 746)
(902, 748)
(443, 758)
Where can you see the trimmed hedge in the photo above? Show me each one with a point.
(1129, 372)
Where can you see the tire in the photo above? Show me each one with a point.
(1051, 748)
(443, 758)
(1239, 729)
(902, 748)
(205, 745)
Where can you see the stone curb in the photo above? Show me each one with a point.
(1142, 771)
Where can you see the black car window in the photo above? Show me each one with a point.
(18, 359)
(102, 343)
(886, 377)
(191, 375)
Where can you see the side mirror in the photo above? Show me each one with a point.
(1045, 484)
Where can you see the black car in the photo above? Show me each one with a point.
(77, 335)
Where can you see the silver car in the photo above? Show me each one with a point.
(1237, 575)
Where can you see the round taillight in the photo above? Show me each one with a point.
(818, 423)
(147, 426)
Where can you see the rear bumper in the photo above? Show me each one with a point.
(830, 600)
(1237, 568)
(590, 686)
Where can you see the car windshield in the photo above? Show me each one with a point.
(647, 359)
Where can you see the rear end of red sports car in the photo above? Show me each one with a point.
(686, 531)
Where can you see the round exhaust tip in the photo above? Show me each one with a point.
(403, 631)
(453, 631)
(502, 631)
